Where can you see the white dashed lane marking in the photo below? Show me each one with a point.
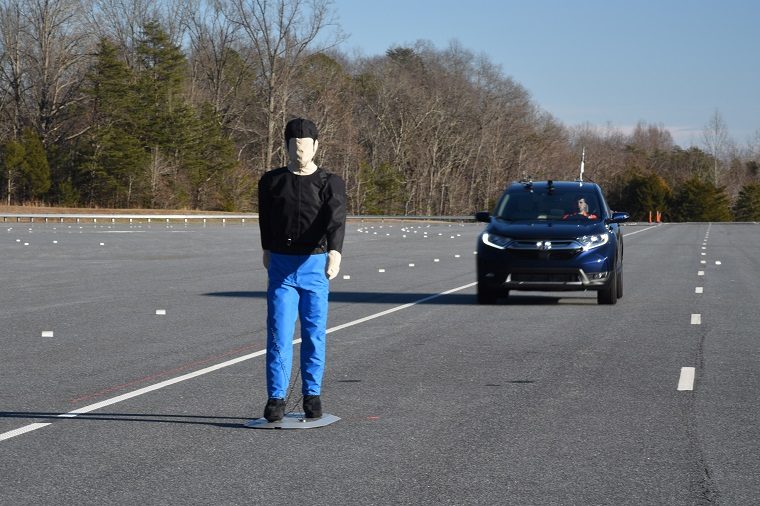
(686, 380)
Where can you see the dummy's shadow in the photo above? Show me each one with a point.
(214, 421)
(451, 299)
(369, 297)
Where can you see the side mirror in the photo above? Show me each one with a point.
(618, 217)
(483, 216)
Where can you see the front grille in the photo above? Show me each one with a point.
(544, 255)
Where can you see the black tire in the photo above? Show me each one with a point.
(620, 285)
(608, 295)
(486, 295)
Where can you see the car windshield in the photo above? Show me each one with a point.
(531, 205)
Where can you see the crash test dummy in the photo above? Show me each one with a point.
(302, 217)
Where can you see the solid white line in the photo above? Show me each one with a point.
(201, 372)
(22, 430)
(394, 309)
(686, 380)
(696, 319)
(642, 230)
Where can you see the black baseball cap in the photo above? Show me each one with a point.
(300, 128)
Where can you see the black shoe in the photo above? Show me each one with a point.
(274, 410)
(312, 406)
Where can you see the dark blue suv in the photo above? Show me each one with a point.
(551, 236)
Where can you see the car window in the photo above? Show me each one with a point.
(543, 205)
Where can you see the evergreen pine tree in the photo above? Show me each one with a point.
(644, 194)
(210, 157)
(166, 121)
(115, 158)
(747, 206)
(12, 167)
(698, 200)
(35, 169)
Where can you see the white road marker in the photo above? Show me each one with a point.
(700, 273)
(652, 227)
(703, 262)
(699, 289)
(686, 380)
(161, 311)
(47, 333)
(436, 260)
(381, 270)
(696, 319)
(346, 276)
(411, 265)
(717, 262)
(22, 430)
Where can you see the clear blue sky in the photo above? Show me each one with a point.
(666, 62)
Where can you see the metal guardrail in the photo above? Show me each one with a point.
(113, 218)
(186, 218)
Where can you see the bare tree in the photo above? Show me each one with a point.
(57, 49)
(715, 139)
(13, 81)
(281, 33)
(212, 44)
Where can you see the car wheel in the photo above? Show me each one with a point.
(486, 295)
(608, 295)
(620, 285)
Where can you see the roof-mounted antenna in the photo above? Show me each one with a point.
(583, 161)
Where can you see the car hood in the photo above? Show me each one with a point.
(545, 229)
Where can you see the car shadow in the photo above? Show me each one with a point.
(371, 297)
(427, 298)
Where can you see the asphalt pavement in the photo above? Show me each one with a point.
(131, 356)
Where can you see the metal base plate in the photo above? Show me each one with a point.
(292, 421)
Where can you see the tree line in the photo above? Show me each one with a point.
(181, 104)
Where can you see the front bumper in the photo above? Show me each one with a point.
(546, 271)
(548, 279)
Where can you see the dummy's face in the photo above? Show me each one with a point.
(302, 151)
(582, 206)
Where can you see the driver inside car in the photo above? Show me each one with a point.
(581, 210)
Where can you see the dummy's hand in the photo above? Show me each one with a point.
(265, 258)
(333, 263)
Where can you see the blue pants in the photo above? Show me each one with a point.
(298, 287)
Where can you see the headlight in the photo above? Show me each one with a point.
(495, 241)
(593, 241)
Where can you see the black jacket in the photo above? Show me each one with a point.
(301, 215)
